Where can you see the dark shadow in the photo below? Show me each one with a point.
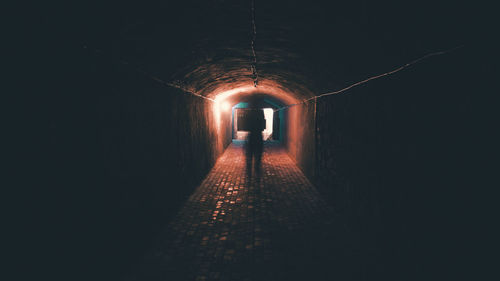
(255, 123)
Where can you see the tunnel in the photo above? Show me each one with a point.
(369, 145)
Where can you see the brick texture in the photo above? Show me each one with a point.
(233, 228)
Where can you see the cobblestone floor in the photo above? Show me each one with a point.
(231, 229)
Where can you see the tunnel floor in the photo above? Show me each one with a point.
(229, 229)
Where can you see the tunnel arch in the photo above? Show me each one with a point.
(267, 87)
(283, 88)
(144, 145)
(235, 95)
(297, 123)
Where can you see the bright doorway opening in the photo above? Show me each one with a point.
(239, 114)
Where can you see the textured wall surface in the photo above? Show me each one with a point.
(129, 151)
(394, 158)
(300, 137)
(396, 155)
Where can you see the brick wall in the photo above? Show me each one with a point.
(395, 157)
(126, 155)
(299, 136)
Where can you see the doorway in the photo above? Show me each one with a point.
(239, 130)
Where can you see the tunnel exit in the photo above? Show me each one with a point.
(239, 117)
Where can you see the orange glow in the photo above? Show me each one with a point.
(229, 91)
(224, 96)
(217, 109)
(225, 106)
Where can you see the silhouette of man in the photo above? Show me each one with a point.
(254, 144)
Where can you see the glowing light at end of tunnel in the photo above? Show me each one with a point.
(223, 96)
(268, 115)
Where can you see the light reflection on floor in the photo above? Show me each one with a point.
(232, 229)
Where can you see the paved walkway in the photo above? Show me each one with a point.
(232, 230)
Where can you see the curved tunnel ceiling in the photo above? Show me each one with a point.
(302, 48)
